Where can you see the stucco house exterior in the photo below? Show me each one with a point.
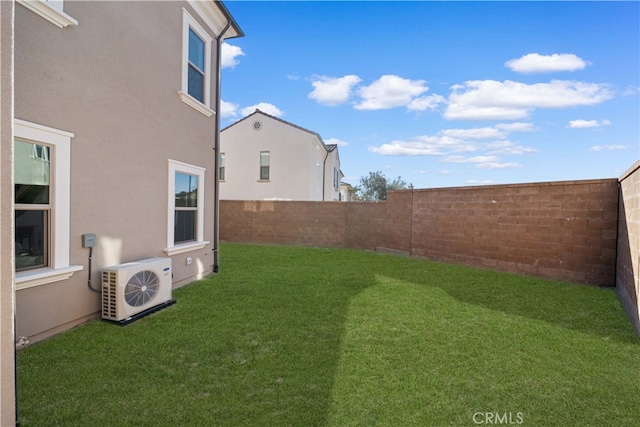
(108, 114)
(266, 158)
(347, 192)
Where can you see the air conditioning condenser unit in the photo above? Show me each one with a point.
(135, 289)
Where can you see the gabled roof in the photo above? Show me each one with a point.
(329, 147)
(346, 184)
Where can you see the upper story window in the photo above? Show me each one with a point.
(221, 170)
(265, 163)
(51, 10)
(196, 65)
(336, 178)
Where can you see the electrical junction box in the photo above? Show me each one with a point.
(88, 240)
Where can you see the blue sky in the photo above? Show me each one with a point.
(447, 93)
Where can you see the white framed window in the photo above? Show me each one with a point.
(51, 10)
(196, 65)
(33, 204)
(265, 164)
(185, 208)
(42, 170)
(221, 166)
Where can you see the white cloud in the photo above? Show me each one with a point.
(498, 165)
(475, 159)
(423, 103)
(451, 144)
(449, 141)
(582, 124)
(608, 147)
(229, 54)
(228, 109)
(536, 63)
(264, 107)
(408, 148)
(475, 133)
(516, 127)
(459, 111)
(337, 142)
(391, 91)
(508, 147)
(425, 145)
(483, 162)
(333, 91)
(509, 100)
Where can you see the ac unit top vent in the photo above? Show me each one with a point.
(137, 264)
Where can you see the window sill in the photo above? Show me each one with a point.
(264, 180)
(30, 279)
(185, 247)
(41, 8)
(195, 104)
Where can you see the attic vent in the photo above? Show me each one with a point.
(257, 125)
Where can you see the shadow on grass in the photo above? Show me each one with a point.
(414, 354)
(587, 309)
(261, 343)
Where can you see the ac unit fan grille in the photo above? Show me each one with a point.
(141, 288)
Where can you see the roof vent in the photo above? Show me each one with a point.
(257, 125)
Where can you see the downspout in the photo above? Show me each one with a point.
(216, 149)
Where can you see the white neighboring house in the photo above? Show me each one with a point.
(266, 158)
(347, 192)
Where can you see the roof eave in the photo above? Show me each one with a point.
(233, 25)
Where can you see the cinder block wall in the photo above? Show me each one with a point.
(375, 226)
(628, 261)
(284, 222)
(560, 230)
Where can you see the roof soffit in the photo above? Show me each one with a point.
(215, 17)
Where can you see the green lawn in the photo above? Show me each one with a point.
(287, 336)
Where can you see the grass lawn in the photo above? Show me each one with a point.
(287, 336)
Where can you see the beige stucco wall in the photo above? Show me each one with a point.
(112, 81)
(297, 161)
(7, 353)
